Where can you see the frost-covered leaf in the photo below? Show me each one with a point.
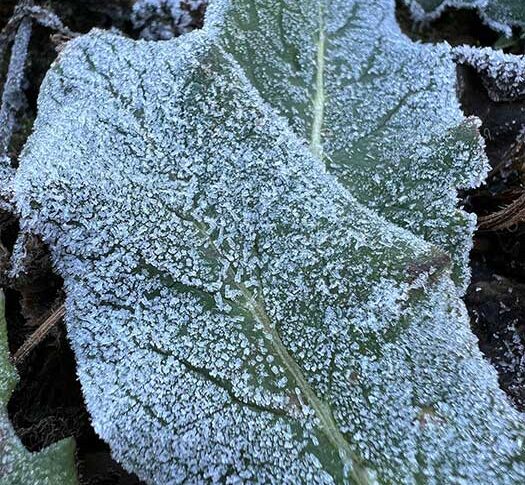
(54, 465)
(380, 110)
(503, 75)
(500, 15)
(236, 314)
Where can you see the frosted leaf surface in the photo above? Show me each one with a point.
(500, 15)
(503, 75)
(380, 110)
(54, 465)
(236, 315)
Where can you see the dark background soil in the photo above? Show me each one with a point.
(47, 404)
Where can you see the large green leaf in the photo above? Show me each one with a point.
(380, 110)
(54, 465)
(236, 314)
(498, 14)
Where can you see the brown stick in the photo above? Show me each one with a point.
(39, 334)
(504, 219)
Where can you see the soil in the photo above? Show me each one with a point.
(47, 404)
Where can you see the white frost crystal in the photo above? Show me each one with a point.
(500, 15)
(236, 314)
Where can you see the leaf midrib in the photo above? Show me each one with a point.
(351, 462)
(328, 425)
(316, 144)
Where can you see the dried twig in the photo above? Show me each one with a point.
(39, 334)
(506, 218)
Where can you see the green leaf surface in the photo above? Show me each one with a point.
(500, 15)
(379, 110)
(236, 314)
(55, 465)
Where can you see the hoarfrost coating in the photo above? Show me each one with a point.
(503, 75)
(379, 110)
(237, 314)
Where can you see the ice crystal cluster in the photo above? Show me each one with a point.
(503, 75)
(257, 230)
(54, 465)
(164, 19)
(500, 15)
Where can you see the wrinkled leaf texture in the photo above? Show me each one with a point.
(257, 229)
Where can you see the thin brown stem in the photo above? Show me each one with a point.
(506, 218)
(39, 334)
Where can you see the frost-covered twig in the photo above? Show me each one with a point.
(13, 85)
(43, 16)
(7, 34)
(49, 19)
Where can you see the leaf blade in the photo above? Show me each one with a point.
(157, 209)
(390, 124)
